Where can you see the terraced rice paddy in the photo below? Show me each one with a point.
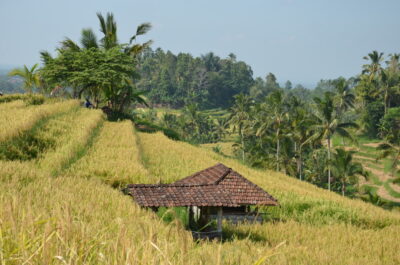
(381, 177)
(64, 206)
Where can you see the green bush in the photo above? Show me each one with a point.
(145, 126)
(11, 97)
(30, 99)
(25, 147)
(35, 99)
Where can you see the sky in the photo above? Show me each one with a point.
(298, 40)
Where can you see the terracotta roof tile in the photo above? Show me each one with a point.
(214, 186)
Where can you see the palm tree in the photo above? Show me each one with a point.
(344, 99)
(391, 150)
(374, 67)
(108, 27)
(220, 127)
(277, 115)
(240, 115)
(31, 77)
(344, 169)
(301, 130)
(393, 63)
(385, 86)
(327, 124)
(390, 79)
(88, 40)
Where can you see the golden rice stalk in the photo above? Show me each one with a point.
(74, 131)
(14, 121)
(114, 157)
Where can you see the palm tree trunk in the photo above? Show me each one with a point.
(299, 162)
(386, 100)
(242, 140)
(343, 187)
(301, 165)
(329, 162)
(277, 154)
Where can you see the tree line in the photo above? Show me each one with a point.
(179, 80)
(279, 130)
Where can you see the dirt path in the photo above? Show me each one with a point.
(382, 192)
(365, 158)
(374, 145)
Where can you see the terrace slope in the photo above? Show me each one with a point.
(61, 207)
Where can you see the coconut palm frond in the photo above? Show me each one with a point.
(88, 39)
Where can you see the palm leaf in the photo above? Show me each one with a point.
(69, 44)
(88, 39)
(141, 30)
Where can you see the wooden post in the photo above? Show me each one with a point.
(219, 220)
(191, 217)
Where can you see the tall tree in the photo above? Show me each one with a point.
(277, 116)
(327, 124)
(300, 123)
(391, 150)
(30, 77)
(240, 115)
(270, 83)
(344, 99)
(390, 130)
(288, 85)
(374, 67)
(344, 169)
(102, 68)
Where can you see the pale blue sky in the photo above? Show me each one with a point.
(300, 40)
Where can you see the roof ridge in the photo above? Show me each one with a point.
(223, 176)
(131, 186)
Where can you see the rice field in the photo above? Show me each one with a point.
(380, 173)
(65, 206)
(17, 120)
(114, 157)
(308, 218)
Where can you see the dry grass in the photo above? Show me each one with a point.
(17, 120)
(12, 105)
(70, 130)
(79, 220)
(317, 226)
(73, 132)
(73, 220)
(114, 157)
(225, 147)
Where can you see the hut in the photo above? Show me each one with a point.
(217, 192)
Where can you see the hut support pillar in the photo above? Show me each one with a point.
(219, 219)
(191, 217)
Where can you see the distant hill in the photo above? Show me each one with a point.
(9, 84)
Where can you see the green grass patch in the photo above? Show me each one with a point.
(174, 214)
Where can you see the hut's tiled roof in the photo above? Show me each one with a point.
(214, 186)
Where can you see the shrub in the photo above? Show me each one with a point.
(35, 100)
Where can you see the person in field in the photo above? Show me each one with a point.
(88, 104)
